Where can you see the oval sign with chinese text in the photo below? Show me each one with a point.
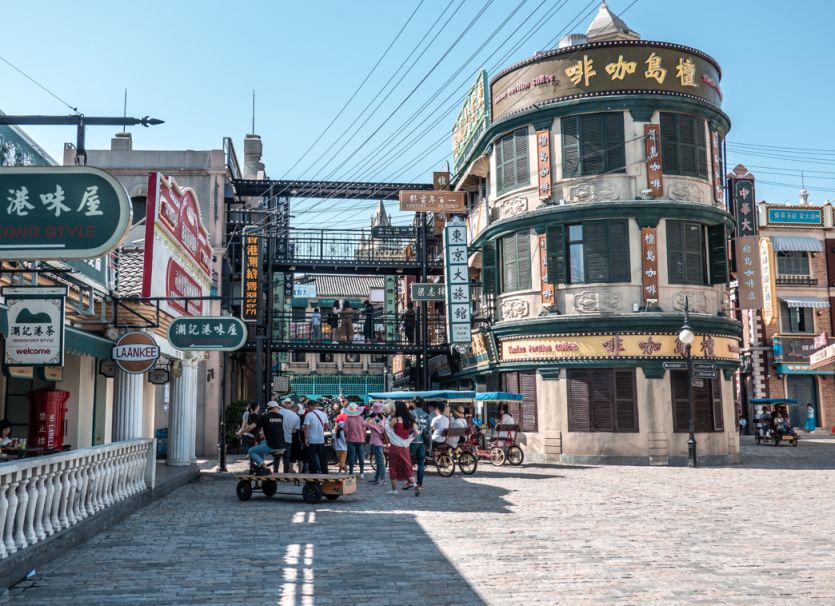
(136, 352)
(61, 212)
(207, 333)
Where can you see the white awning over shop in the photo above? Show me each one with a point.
(796, 244)
(799, 301)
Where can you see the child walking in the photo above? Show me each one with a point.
(340, 445)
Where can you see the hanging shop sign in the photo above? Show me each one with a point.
(439, 366)
(472, 120)
(769, 281)
(716, 158)
(618, 345)
(793, 216)
(742, 191)
(304, 291)
(546, 287)
(159, 376)
(440, 180)
(61, 212)
(428, 292)
(823, 357)
(607, 68)
(251, 278)
(178, 256)
(36, 325)
(209, 333)
(393, 231)
(795, 350)
(749, 273)
(481, 352)
(458, 311)
(434, 202)
(136, 352)
(652, 147)
(543, 163)
(649, 265)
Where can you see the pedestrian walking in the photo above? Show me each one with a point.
(376, 424)
(368, 322)
(316, 325)
(340, 447)
(355, 433)
(401, 430)
(417, 449)
(315, 424)
(743, 423)
(810, 417)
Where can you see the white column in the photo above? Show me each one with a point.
(182, 421)
(127, 407)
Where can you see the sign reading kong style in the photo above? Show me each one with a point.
(178, 256)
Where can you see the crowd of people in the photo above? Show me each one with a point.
(338, 323)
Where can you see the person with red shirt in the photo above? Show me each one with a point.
(355, 434)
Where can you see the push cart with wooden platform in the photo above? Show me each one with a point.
(313, 485)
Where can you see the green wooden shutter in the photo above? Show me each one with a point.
(510, 276)
(686, 133)
(488, 267)
(619, 251)
(703, 407)
(520, 143)
(601, 401)
(578, 400)
(500, 166)
(675, 252)
(626, 413)
(596, 251)
(669, 144)
(523, 260)
(570, 147)
(615, 154)
(717, 247)
(555, 242)
(592, 144)
(678, 386)
(701, 148)
(527, 387)
(694, 253)
(718, 421)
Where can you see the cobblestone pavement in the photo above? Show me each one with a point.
(538, 534)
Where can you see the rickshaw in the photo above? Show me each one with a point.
(501, 445)
(764, 409)
(444, 458)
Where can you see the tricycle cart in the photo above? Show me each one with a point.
(313, 486)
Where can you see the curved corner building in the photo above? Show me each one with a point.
(596, 175)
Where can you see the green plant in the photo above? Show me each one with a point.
(232, 417)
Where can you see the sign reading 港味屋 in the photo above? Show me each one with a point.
(36, 325)
(609, 68)
(769, 281)
(793, 216)
(178, 256)
(472, 120)
(742, 192)
(617, 345)
(209, 333)
(457, 283)
(431, 201)
(61, 212)
(748, 271)
(428, 292)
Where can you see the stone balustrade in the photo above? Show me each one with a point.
(42, 496)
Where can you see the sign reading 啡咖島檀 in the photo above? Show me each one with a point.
(61, 212)
(209, 333)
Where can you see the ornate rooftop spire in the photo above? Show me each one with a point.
(608, 26)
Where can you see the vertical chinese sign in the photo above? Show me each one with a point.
(457, 283)
(749, 273)
(252, 278)
(716, 156)
(655, 179)
(547, 287)
(649, 265)
(543, 163)
(768, 281)
(744, 208)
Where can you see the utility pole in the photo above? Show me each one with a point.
(424, 324)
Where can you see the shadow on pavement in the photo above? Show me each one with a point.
(811, 453)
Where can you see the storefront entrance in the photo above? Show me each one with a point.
(804, 389)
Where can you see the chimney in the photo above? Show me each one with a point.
(121, 142)
(253, 167)
(804, 197)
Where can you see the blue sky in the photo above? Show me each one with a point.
(195, 64)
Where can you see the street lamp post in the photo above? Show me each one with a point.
(687, 338)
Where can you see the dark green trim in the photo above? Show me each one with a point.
(653, 370)
(549, 374)
(550, 371)
(729, 373)
(648, 104)
(87, 344)
(647, 213)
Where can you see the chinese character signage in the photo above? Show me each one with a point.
(428, 292)
(178, 256)
(303, 291)
(546, 286)
(543, 163)
(745, 209)
(430, 201)
(716, 158)
(794, 216)
(209, 333)
(60, 212)
(768, 282)
(635, 67)
(251, 278)
(457, 283)
(649, 265)
(440, 180)
(36, 325)
(652, 146)
(472, 120)
(748, 273)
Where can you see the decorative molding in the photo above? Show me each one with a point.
(684, 191)
(512, 207)
(697, 301)
(597, 301)
(653, 370)
(591, 191)
(549, 374)
(514, 309)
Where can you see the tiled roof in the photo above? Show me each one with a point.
(129, 267)
(346, 286)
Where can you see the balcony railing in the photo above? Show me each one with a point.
(789, 279)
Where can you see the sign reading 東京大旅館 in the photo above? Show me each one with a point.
(457, 283)
(61, 212)
(215, 333)
(178, 256)
(36, 325)
(136, 352)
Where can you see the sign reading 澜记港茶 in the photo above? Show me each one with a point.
(652, 147)
(428, 292)
(457, 283)
(431, 201)
(794, 216)
(208, 333)
(36, 325)
(749, 273)
(649, 265)
(472, 120)
(61, 212)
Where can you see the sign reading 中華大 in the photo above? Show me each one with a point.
(742, 195)
(472, 120)
(428, 292)
(61, 212)
(794, 216)
(209, 333)
(36, 325)
(457, 283)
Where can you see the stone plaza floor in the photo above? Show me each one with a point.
(758, 533)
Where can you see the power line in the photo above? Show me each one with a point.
(36, 83)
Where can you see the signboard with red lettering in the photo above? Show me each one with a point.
(547, 287)
(652, 145)
(649, 265)
(178, 256)
(543, 163)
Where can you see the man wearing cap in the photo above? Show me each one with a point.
(272, 424)
(292, 422)
(315, 424)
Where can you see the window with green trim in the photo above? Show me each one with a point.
(796, 319)
(602, 399)
(512, 164)
(685, 253)
(593, 144)
(592, 251)
(683, 145)
(516, 262)
(792, 263)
